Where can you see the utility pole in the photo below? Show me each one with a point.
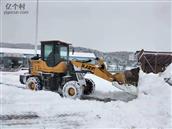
(36, 27)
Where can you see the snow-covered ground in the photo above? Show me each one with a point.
(22, 108)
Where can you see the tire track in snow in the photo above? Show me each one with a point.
(19, 116)
(73, 120)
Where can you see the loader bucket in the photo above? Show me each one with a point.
(127, 80)
(132, 76)
(129, 77)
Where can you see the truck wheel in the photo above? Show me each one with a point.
(33, 83)
(90, 87)
(72, 90)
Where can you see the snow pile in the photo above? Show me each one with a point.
(155, 95)
(167, 75)
(152, 108)
(168, 72)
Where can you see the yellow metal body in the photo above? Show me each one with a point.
(101, 72)
(41, 66)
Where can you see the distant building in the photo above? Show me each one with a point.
(115, 68)
(153, 61)
(132, 57)
(12, 58)
(82, 56)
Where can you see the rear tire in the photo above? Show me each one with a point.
(90, 87)
(33, 83)
(72, 90)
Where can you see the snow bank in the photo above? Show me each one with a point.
(152, 108)
(168, 72)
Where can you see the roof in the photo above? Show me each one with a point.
(56, 42)
(154, 61)
(82, 54)
(18, 51)
(32, 52)
(162, 58)
(153, 52)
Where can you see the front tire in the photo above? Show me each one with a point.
(72, 90)
(33, 83)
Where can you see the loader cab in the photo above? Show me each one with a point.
(54, 52)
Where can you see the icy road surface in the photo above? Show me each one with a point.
(22, 108)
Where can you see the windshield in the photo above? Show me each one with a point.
(48, 51)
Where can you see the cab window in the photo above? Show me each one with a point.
(48, 50)
(63, 52)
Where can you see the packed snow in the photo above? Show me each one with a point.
(22, 108)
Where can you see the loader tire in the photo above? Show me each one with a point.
(33, 83)
(72, 90)
(90, 87)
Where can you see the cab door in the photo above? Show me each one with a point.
(54, 53)
(48, 54)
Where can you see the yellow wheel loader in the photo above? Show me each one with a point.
(54, 71)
